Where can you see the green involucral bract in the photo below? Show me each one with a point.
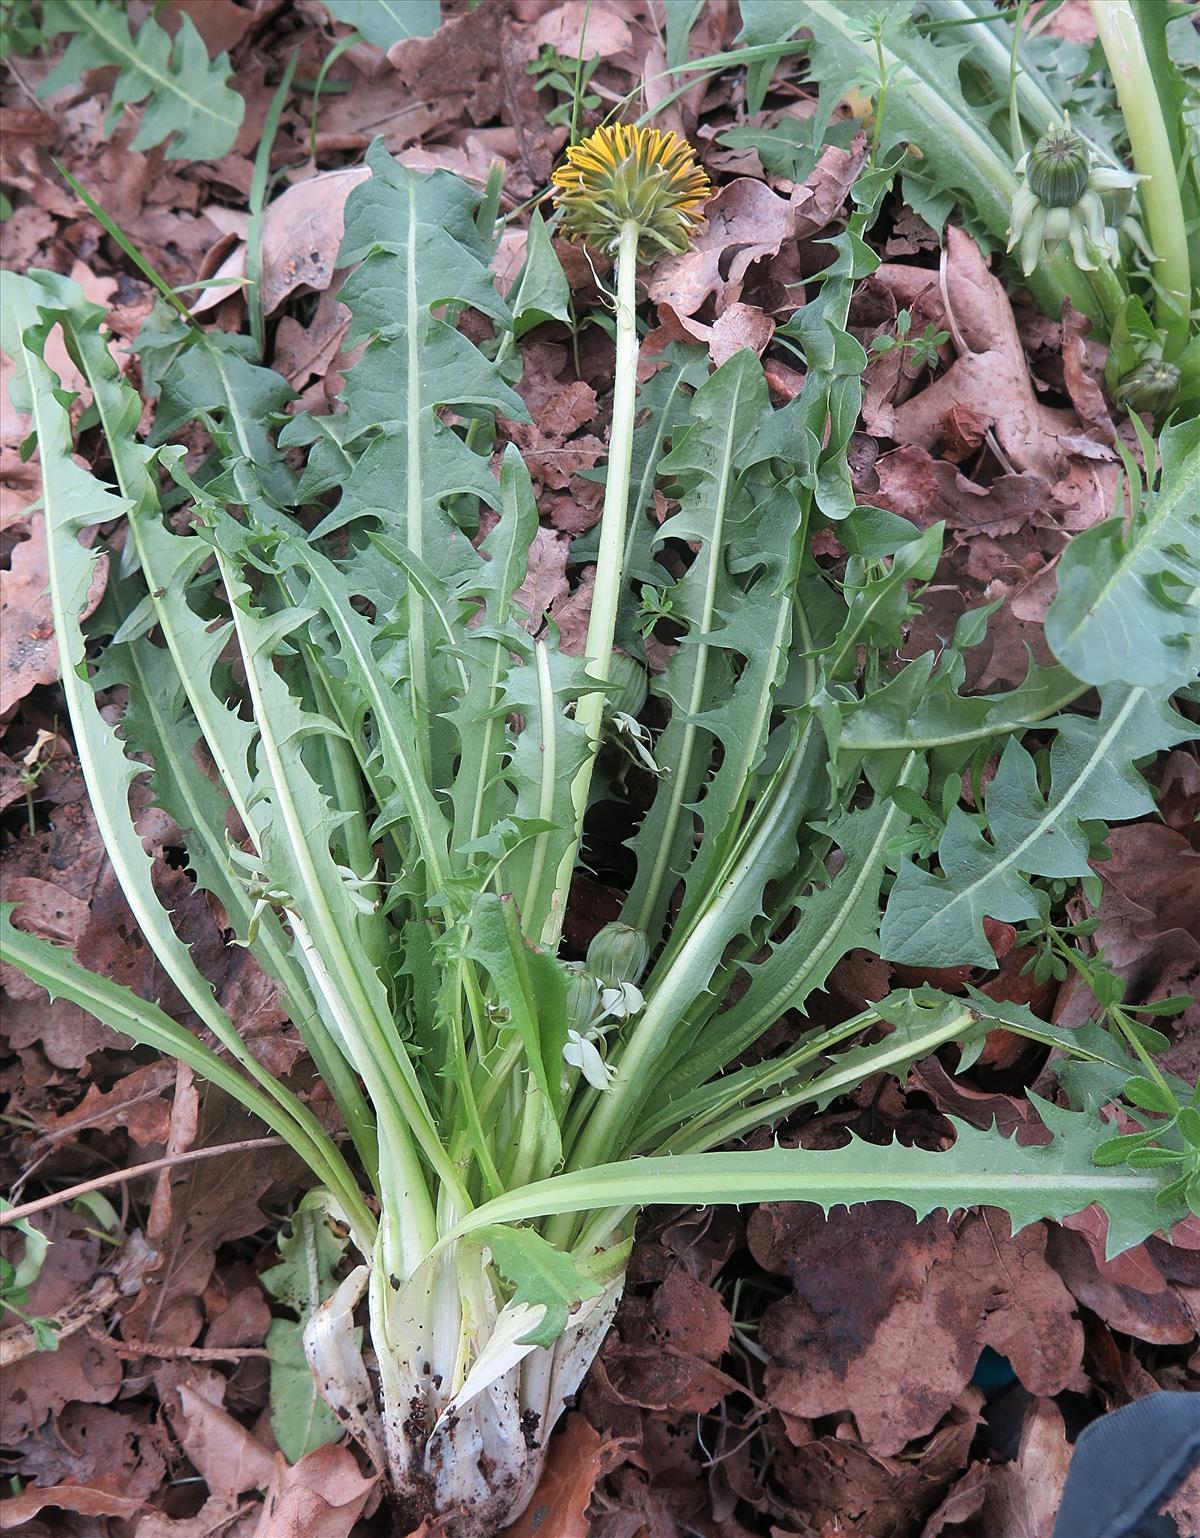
(381, 763)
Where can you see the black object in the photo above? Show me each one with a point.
(1126, 1465)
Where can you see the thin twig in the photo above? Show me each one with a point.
(118, 1177)
(131, 1349)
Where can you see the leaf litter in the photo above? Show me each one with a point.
(785, 1374)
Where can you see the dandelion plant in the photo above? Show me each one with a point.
(381, 765)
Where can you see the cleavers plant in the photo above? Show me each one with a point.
(381, 764)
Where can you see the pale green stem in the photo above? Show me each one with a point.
(414, 509)
(1117, 28)
(589, 712)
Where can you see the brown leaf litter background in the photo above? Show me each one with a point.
(770, 1372)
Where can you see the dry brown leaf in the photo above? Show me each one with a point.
(1024, 1496)
(301, 232)
(477, 59)
(221, 23)
(991, 375)
(572, 614)
(135, 1102)
(578, 1457)
(601, 29)
(664, 1354)
(961, 1503)
(744, 215)
(738, 326)
(746, 221)
(83, 1500)
(551, 452)
(545, 581)
(899, 1348)
(215, 1519)
(833, 1481)
(212, 1202)
(322, 1496)
(1086, 394)
(1149, 925)
(230, 1460)
(1129, 1292)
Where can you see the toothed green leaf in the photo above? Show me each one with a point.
(983, 1169)
(541, 1276)
(1128, 604)
(186, 95)
(937, 920)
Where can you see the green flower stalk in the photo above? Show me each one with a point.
(633, 192)
(1121, 39)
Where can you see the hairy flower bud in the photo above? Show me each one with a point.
(1151, 386)
(1058, 168)
(618, 954)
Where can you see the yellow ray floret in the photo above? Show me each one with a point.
(628, 174)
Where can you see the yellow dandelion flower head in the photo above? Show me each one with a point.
(625, 173)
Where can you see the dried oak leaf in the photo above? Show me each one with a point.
(36, 1387)
(602, 30)
(221, 23)
(745, 222)
(927, 490)
(573, 613)
(1149, 922)
(1086, 395)
(545, 583)
(550, 451)
(98, 1500)
(897, 1348)
(204, 1204)
(478, 59)
(738, 326)
(91, 1445)
(230, 1460)
(990, 375)
(302, 352)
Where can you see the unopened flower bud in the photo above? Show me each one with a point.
(618, 954)
(1058, 168)
(1152, 386)
(628, 680)
(583, 999)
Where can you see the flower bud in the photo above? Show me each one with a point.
(1151, 386)
(618, 954)
(1058, 168)
(628, 680)
(583, 998)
